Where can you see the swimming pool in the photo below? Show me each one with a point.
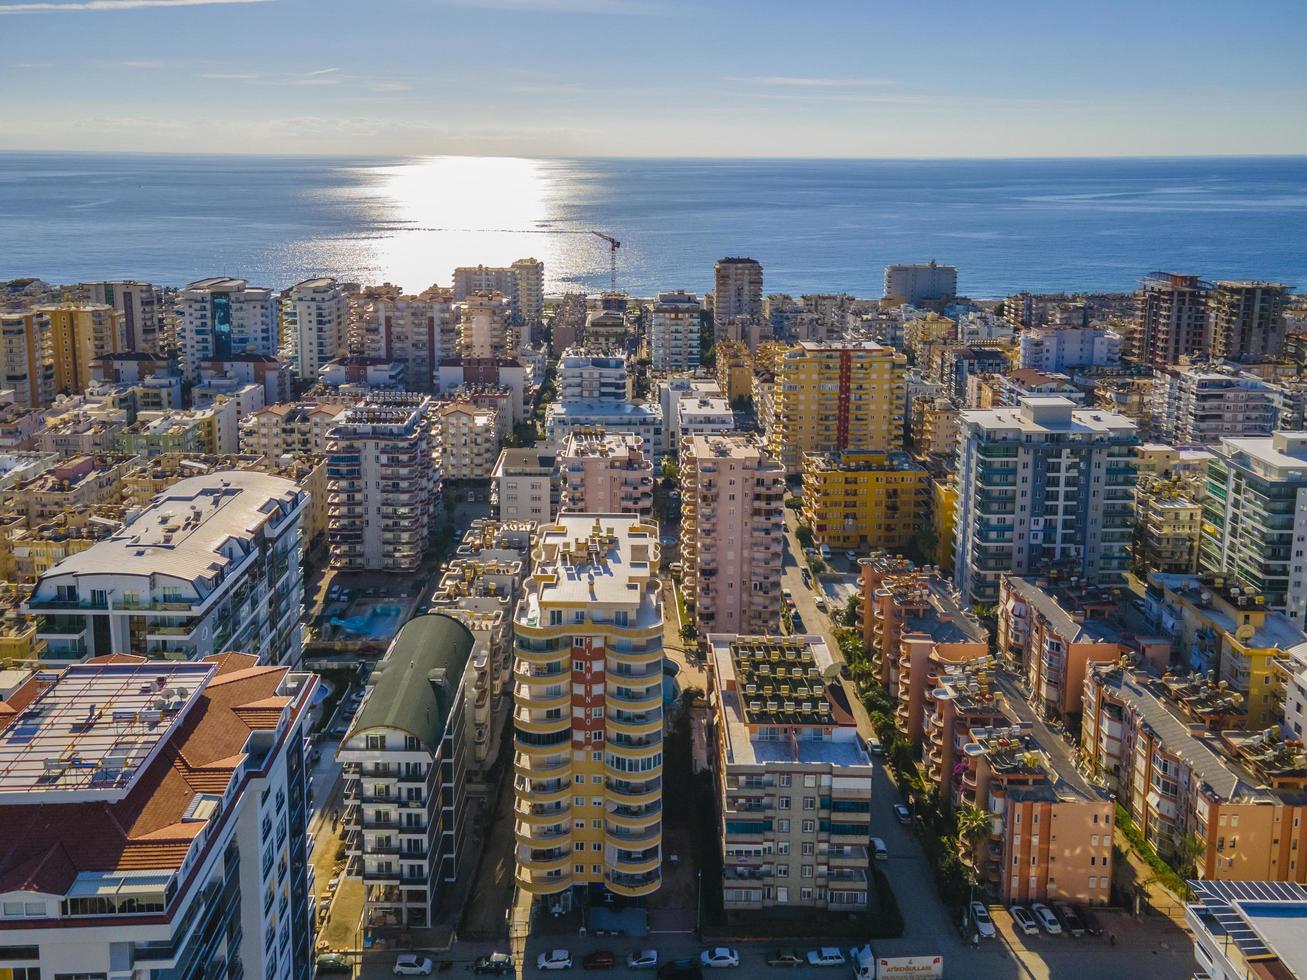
(379, 623)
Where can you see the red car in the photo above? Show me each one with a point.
(600, 959)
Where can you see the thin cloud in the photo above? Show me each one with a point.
(103, 5)
(799, 81)
(619, 8)
(321, 71)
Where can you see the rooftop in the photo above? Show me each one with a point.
(1265, 920)
(584, 558)
(1068, 621)
(1051, 413)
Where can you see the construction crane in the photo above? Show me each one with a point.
(613, 246)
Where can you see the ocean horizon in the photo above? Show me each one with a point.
(1089, 224)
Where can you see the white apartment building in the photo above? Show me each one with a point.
(732, 533)
(589, 374)
(674, 331)
(737, 288)
(919, 283)
(467, 441)
(670, 391)
(793, 778)
(1039, 485)
(140, 309)
(1191, 405)
(221, 316)
(383, 483)
(524, 485)
(703, 416)
(638, 418)
(485, 326)
(290, 428)
(156, 814)
(405, 765)
(523, 283)
(605, 473)
(212, 565)
(417, 332)
(316, 315)
(1060, 347)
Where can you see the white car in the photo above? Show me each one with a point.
(824, 550)
(1024, 920)
(982, 921)
(1046, 918)
(642, 959)
(411, 965)
(820, 604)
(719, 956)
(826, 956)
(555, 959)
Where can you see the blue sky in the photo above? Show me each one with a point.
(655, 77)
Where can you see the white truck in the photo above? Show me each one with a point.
(868, 966)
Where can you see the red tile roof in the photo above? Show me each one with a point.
(44, 846)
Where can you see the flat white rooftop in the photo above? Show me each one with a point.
(95, 728)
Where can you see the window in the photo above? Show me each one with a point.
(783, 803)
(375, 743)
(810, 781)
(782, 871)
(784, 779)
(809, 826)
(783, 825)
(783, 847)
(806, 871)
(807, 848)
(810, 803)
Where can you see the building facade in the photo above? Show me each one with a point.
(737, 288)
(316, 326)
(674, 331)
(864, 500)
(219, 317)
(605, 473)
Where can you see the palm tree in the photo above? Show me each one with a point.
(973, 826)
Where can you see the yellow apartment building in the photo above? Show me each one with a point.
(865, 499)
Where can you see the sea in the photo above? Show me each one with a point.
(1093, 225)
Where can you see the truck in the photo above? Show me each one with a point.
(868, 966)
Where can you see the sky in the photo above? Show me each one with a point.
(674, 78)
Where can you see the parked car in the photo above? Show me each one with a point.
(718, 957)
(796, 624)
(851, 555)
(334, 963)
(824, 550)
(983, 922)
(683, 969)
(642, 959)
(826, 956)
(820, 604)
(1024, 920)
(874, 746)
(878, 849)
(807, 577)
(411, 965)
(1071, 920)
(1090, 918)
(1046, 918)
(496, 964)
(788, 596)
(785, 957)
(315, 756)
(902, 814)
(555, 959)
(600, 959)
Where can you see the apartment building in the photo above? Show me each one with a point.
(316, 324)
(1246, 319)
(1050, 634)
(58, 486)
(80, 335)
(588, 714)
(485, 326)
(933, 427)
(1170, 749)
(141, 310)
(1051, 836)
(605, 473)
(1063, 347)
(1168, 525)
(1255, 518)
(1238, 928)
(734, 369)
(962, 698)
(923, 334)
(413, 331)
(466, 441)
(1221, 627)
(1006, 390)
(674, 331)
(607, 329)
(524, 485)
(859, 499)
(642, 419)
(921, 283)
(955, 365)
(737, 288)
(27, 353)
(162, 813)
(1191, 406)
(685, 387)
(219, 317)
(588, 374)
(523, 283)
(404, 760)
(1170, 319)
(290, 428)
(732, 533)
(1038, 484)
(793, 778)
(834, 396)
(212, 565)
(383, 483)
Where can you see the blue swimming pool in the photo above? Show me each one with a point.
(379, 623)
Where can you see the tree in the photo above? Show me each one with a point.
(689, 633)
(853, 611)
(804, 534)
(1188, 849)
(671, 472)
(973, 826)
